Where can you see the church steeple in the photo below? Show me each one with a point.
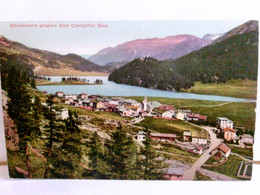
(144, 104)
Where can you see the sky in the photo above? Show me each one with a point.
(67, 37)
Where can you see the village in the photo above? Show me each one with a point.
(215, 146)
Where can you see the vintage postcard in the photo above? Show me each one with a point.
(130, 100)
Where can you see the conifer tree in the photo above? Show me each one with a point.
(151, 163)
(122, 151)
(66, 156)
(98, 157)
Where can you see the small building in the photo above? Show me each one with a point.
(174, 173)
(163, 137)
(246, 139)
(72, 96)
(111, 108)
(224, 122)
(167, 107)
(98, 104)
(83, 96)
(198, 150)
(202, 117)
(59, 94)
(199, 140)
(62, 114)
(186, 136)
(86, 102)
(223, 149)
(126, 113)
(229, 134)
(180, 116)
(67, 101)
(94, 97)
(192, 117)
(168, 114)
(195, 117)
(141, 136)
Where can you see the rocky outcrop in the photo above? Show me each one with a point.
(11, 135)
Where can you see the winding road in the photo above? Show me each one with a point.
(189, 174)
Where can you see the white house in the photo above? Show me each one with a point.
(223, 149)
(141, 136)
(199, 140)
(246, 139)
(198, 150)
(73, 96)
(224, 122)
(180, 115)
(59, 93)
(168, 114)
(62, 114)
(113, 102)
(83, 96)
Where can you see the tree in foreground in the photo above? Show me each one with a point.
(152, 163)
(97, 156)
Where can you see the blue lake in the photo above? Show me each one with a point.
(113, 89)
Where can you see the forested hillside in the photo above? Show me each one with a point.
(233, 58)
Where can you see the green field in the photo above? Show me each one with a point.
(242, 151)
(200, 177)
(178, 102)
(234, 88)
(242, 113)
(229, 168)
(169, 126)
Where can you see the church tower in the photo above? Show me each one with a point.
(144, 104)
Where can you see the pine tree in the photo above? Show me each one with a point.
(152, 165)
(122, 152)
(66, 156)
(97, 157)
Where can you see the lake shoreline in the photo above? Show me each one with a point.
(113, 89)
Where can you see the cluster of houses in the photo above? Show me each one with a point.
(225, 126)
(128, 107)
(195, 141)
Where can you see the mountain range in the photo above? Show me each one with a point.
(170, 47)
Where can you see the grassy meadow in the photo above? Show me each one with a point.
(234, 88)
(170, 126)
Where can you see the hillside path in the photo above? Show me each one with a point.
(189, 174)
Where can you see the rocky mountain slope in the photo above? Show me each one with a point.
(38, 59)
(249, 26)
(170, 47)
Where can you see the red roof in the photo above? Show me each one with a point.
(199, 148)
(193, 115)
(223, 147)
(83, 94)
(202, 117)
(167, 107)
(59, 92)
(229, 129)
(163, 135)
